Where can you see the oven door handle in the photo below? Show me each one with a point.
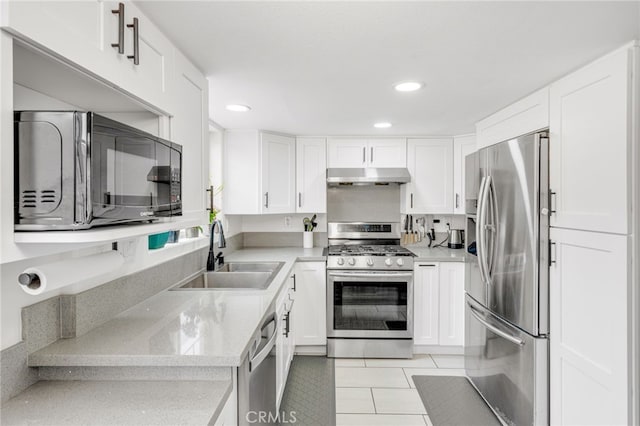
(370, 275)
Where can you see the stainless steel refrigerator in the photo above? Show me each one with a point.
(507, 277)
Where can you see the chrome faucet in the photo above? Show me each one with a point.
(213, 261)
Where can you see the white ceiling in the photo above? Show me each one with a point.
(320, 68)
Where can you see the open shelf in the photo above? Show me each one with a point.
(105, 234)
(184, 245)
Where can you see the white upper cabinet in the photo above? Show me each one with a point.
(361, 152)
(430, 163)
(242, 181)
(525, 116)
(311, 175)
(590, 350)
(150, 78)
(388, 153)
(278, 173)
(347, 153)
(190, 128)
(70, 29)
(260, 173)
(462, 146)
(83, 33)
(590, 145)
(426, 307)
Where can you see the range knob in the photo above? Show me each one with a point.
(352, 261)
(340, 261)
(400, 262)
(369, 262)
(388, 262)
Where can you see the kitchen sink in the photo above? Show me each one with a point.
(235, 276)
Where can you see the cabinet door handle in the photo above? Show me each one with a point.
(286, 324)
(457, 200)
(294, 281)
(552, 202)
(120, 12)
(552, 253)
(371, 159)
(266, 200)
(210, 191)
(412, 200)
(299, 199)
(364, 154)
(136, 42)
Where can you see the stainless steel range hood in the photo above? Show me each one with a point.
(367, 176)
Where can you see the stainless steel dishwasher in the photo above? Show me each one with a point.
(257, 377)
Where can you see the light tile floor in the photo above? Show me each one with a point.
(382, 392)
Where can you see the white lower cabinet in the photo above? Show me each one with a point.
(438, 301)
(451, 328)
(281, 378)
(310, 311)
(285, 342)
(590, 348)
(426, 303)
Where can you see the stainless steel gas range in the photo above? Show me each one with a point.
(369, 292)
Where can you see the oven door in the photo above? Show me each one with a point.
(370, 304)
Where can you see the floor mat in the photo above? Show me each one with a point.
(310, 392)
(453, 401)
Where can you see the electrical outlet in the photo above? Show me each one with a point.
(287, 221)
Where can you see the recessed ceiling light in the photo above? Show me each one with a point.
(382, 125)
(238, 108)
(408, 86)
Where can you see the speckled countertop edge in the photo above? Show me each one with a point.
(130, 402)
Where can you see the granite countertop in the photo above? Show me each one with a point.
(73, 402)
(181, 328)
(425, 253)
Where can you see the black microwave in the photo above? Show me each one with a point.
(76, 170)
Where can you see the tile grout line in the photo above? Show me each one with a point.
(375, 387)
(434, 361)
(404, 371)
(375, 408)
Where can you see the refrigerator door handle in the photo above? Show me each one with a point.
(480, 229)
(492, 227)
(478, 316)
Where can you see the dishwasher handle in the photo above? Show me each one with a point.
(271, 342)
